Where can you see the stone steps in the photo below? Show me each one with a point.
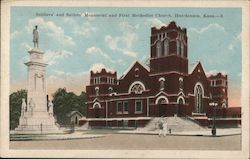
(176, 124)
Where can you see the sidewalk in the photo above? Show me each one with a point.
(75, 135)
(82, 135)
(207, 132)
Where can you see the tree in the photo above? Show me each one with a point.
(15, 107)
(65, 102)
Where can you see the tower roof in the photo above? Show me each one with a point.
(171, 25)
(102, 72)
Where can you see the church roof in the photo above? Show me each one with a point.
(192, 67)
(131, 66)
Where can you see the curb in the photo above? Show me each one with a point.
(46, 139)
(204, 135)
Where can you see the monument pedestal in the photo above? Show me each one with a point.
(38, 123)
(35, 117)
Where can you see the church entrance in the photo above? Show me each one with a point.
(162, 104)
(97, 113)
(97, 107)
(162, 109)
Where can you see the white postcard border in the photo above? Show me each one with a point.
(5, 22)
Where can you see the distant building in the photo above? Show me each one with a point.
(219, 89)
(168, 86)
(73, 118)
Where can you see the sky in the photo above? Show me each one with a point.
(75, 43)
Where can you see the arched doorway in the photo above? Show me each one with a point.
(96, 107)
(180, 110)
(162, 102)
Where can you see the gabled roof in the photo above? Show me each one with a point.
(192, 67)
(195, 67)
(74, 112)
(131, 66)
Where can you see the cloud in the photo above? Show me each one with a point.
(51, 57)
(112, 42)
(25, 46)
(122, 43)
(85, 29)
(211, 26)
(235, 41)
(14, 34)
(75, 82)
(126, 26)
(125, 42)
(96, 50)
(52, 30)
(209, 43)
(97, 67)
(68, 20)
(154, 22)
(129, 53)
(214, 72)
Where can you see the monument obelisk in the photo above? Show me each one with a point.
(35, 117)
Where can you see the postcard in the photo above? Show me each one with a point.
(125, 79)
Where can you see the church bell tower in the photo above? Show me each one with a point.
(169, 49)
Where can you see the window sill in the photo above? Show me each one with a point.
(138, 112)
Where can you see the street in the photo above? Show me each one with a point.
(136, 142)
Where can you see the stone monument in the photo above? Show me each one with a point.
(35, 118)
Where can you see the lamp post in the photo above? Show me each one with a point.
(214, 105)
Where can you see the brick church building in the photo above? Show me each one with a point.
(168, 86)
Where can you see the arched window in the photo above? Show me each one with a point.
(178, 47)
(161, 100)
(182, 49)
(181, 100)
(158, 49)
(136, 72)
(166, 47)
(198, 98)
(137, 87)
(181, 83)
(162, 83)
(96, 91)
(96, 105)
(110, 90)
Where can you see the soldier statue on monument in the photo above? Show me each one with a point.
(35, 37)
